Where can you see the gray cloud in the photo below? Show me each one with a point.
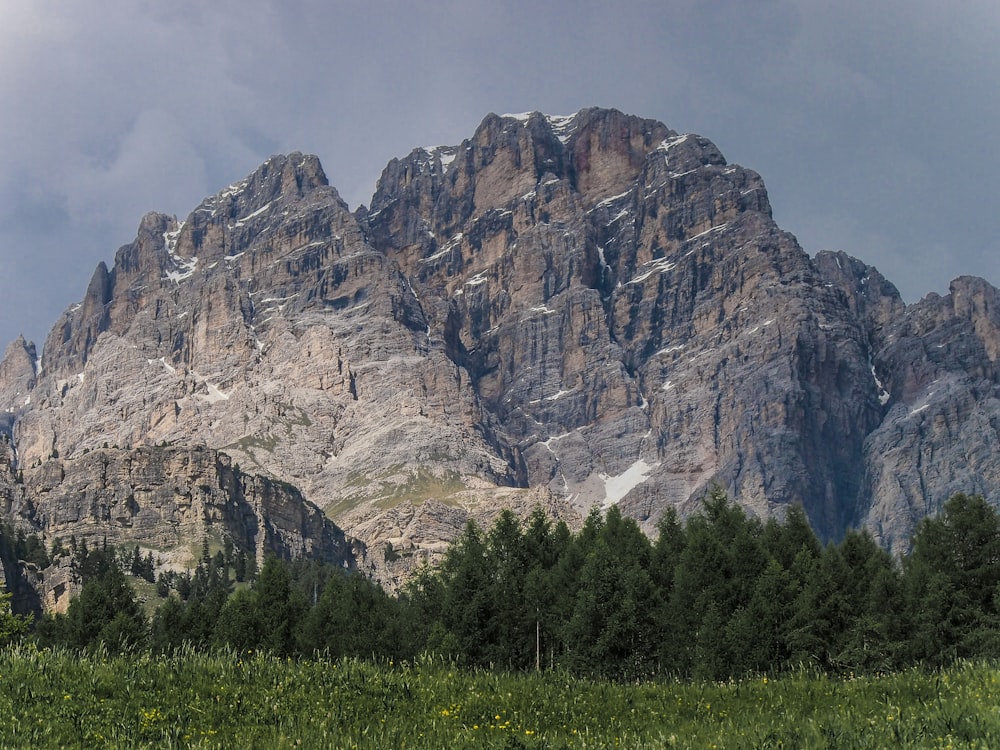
(871, 126)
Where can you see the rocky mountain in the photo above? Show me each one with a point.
(566, 311)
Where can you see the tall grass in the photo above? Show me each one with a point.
(250, 700)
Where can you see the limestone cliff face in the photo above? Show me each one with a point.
(263, 325)
(17, 378)
(569, 311)
(168, 501)
(632, 318)
(941, 430)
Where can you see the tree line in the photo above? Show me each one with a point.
(719, 595)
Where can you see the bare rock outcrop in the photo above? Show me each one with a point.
(565, 311)
(629, 313)
(171, 502)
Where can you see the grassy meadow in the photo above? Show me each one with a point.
(60, 698)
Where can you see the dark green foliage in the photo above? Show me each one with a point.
(163, 585)
(142, 567)
(239, 624)
(714, 577)
(167, 630)
(722, 595)
(58, 550)
(354, 617)
(240, 567)
(758, 632)
(28, 547)
(24, 546)
(953, 583)
(612, 629)
(872, 595)
(278, 609)
(389, 554)
(105, 613)
(719, 596)
(466, 603)
(784, 540)
(12, 626)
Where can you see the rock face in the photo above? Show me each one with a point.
(941, 429)
(169, 501)
(17, 378)
(570, 311)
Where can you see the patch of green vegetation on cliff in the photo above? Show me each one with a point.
(392, 487)
(266, 441)
(422, 485)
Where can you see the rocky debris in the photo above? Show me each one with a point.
(585, 310)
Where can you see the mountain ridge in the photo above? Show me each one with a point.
(568, 311)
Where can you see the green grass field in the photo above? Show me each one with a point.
(61, 699)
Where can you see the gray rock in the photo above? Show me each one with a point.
(577, 311)
(168, 501)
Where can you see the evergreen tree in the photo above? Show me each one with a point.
(666, 552)
(757, 635)
(824, 613)
(544, 547)
(424, 596)
(710, 646)
(869, 640)
(278, 610)
(510, 627)
(540, 548)
(718, 569)
(466, 606)
(328, 624)
(612, 631)
(163, 585)
(106, 611)
(784, 540)
(239, 623)
(12, 627)
(28, 547)
(564, 581)
(240, 567)
(167, 627)
(952, 581)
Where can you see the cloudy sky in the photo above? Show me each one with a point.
(873, 124)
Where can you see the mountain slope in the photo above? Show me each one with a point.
(568, 311)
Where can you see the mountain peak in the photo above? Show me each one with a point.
(575, 311)
(19, 369)
(291, 175)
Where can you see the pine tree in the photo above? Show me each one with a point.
(717, 569)
(784, 540)
(466, 606)
(952, 581)
(166, 629)
(757, 635)
(424, 598)
(278, 610)
(613, 629)
(106, 611)
(12, 627)
(239, 623)
(868, 641)
(509, 628)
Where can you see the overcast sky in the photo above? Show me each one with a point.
(873, 124)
